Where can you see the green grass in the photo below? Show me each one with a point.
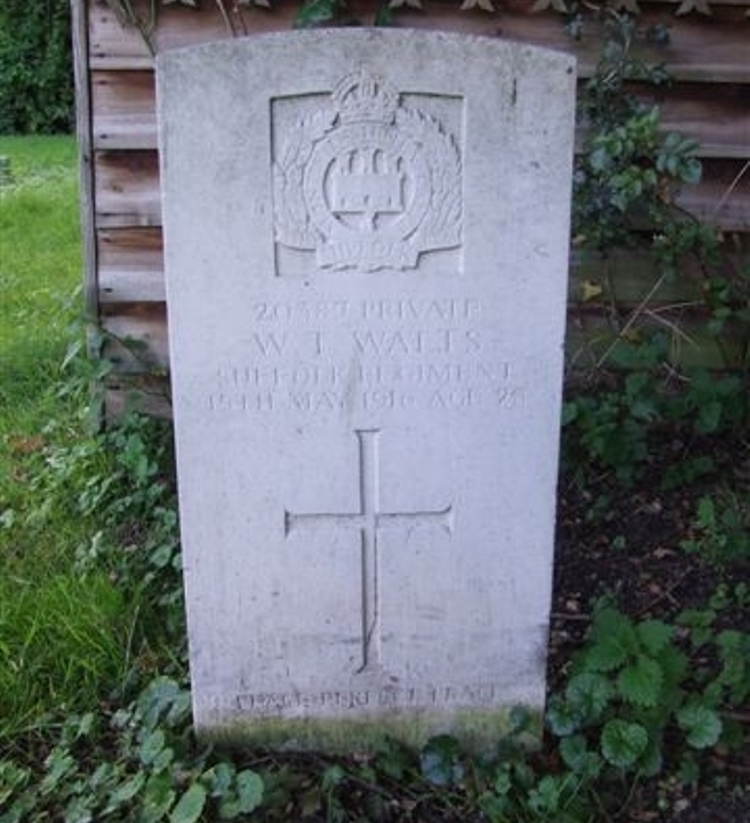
(40, 270)
(64, 640)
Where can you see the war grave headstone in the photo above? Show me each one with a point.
(366, 238)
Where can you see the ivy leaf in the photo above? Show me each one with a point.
(623, 743)
(641, 682)
(190, 806)
(703, 725)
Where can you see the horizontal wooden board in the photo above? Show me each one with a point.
(591, 339)
(717, 117)
(123, 110)
(713, 50)
(131, 271)
(142, 393)
(127, 188)
(136, 340)
(128, 191)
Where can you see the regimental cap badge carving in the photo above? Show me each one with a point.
(367, 183)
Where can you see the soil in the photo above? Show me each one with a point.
(626, 542)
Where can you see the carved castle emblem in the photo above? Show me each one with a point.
(367, 183)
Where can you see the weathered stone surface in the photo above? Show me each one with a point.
(366, 239)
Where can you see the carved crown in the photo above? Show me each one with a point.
(363, 96)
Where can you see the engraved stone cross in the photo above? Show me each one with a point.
(369, 521)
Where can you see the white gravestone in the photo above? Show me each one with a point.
(366, 242)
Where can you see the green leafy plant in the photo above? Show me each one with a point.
(36, 77)
(721, 531)
(144, 769)
(632, 683)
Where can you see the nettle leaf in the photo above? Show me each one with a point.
(190, 806)
(623, 743)
(615, 639)
(654, 635)
(641, 682)
(589, 692)
(702, 725)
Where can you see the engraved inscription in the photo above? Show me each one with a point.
(367, 183)
(314, 357)
(389, 697)
(368, 521)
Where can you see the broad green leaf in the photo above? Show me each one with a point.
(315, 13)
(151, 746)
(702, 725)
(519, 719)
(220, 778)
(589, 692)
(623, 742)
(563, 718)
(578, 757)
(78, 811)
(59, 764)
(440, 761)
(190, 806)
(607, 654)
(126, 791)
(158, 798)
(641, 682)
(545, 797)
(250, 790)
(652, 759)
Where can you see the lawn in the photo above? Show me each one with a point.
(62, 636)
(649, 665)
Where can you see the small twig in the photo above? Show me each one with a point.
(631, 320)
(564, 616)
(665, 595)
(730, 190)
(225, 18)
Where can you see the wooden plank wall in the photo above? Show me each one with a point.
(708, 58)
